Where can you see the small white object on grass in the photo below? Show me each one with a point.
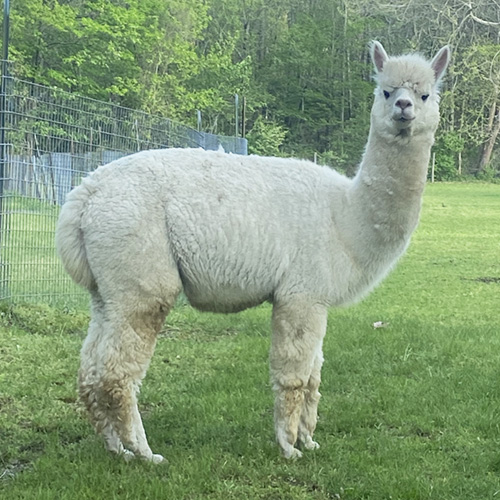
(379, 324)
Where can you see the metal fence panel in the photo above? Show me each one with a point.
(51, 139)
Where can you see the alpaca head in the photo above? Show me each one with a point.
(407, 95)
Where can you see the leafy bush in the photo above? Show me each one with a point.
(489, 174)
(447, 147)
(266, 138)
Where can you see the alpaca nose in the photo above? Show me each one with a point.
(404, 103)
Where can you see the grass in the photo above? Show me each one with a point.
(409, 411)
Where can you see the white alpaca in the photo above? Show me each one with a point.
(233, 232)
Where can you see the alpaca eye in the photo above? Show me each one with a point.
(386, 94)
(425, 97)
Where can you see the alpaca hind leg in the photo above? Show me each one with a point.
(309, 415)
(114, 361)
(88, 378)
(298, 331)
(137, 284)
(125, 366)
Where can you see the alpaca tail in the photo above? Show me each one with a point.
(70, 243)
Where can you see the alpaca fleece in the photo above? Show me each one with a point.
(233, 232)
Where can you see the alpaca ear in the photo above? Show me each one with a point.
(440, 62)
(379, 55)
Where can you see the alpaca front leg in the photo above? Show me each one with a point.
(287, 410)
(298, 331)
(309, 415)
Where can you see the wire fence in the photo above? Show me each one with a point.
(49, 140)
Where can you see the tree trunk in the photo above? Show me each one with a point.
(488, 146)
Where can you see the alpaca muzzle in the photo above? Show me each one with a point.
(404, 109)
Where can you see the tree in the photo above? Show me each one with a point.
(302, 65)
(139, 53)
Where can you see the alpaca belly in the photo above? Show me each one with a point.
(227, 286)
(227, 274)
(223, 299)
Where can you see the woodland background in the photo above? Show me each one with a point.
(301, 67)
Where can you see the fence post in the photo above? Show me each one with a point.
(3, 146)
(433, 166)
(3, 100)
(237, 124)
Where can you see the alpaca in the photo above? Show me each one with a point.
(235, 231)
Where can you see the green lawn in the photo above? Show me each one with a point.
(409, 411)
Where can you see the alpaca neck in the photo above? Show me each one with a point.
(387, 191)
(399, 161)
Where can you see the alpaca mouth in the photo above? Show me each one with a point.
(403, 121)
(403, 118)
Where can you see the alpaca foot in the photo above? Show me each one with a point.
(311, 445)
(127, 455)
(287, 446)
(154, 458)
(157, 459)
(292, 453)
(307, 442)
(305, 439)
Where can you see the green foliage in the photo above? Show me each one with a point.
(314, 80)
(489, 174)
(448, 145)
(140, 53)
(266, 138)
(302, 65)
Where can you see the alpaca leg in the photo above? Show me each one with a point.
(124, 368)
(298, 331)
(309, 415)
(137, 283)
(114, 361)
(88, 378)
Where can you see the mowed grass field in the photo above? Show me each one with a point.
(409, 411)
